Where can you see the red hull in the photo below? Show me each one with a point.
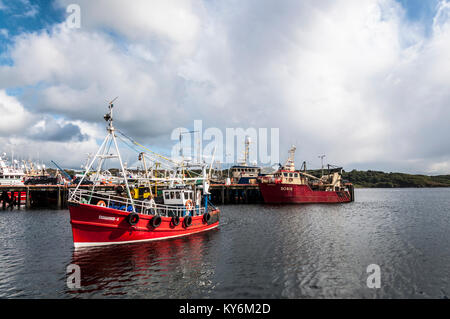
(95, 225)
(299, 194)
(23, 196)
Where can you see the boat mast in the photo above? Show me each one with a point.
(322, 157)
(247, 148)
(290, 162)
(147, 176)
(109, 118)
(244, 162)
(102, 154)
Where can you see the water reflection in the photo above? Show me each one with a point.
(152, 269)
(259, 251)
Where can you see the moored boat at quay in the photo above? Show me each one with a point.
(11, 174)
(290, 186)
(243, 173)
(105, 218)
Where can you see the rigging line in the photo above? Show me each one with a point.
(153, 160)
(109, 146)
(127, 144)
(130, 146)
(159, 155)
(106, 149)
(138, 144)
(192, 173)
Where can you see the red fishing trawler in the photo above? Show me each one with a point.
(126, 216)
(290, 186)
(105, 220)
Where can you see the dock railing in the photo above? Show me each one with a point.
(146, 207)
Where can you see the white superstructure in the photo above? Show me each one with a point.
(12, 174)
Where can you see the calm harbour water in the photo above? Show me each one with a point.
(259, 251)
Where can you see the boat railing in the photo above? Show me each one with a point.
(268, 179)
(147, 207)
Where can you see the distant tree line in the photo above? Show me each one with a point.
(377, 179)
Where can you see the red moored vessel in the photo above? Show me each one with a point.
(94, 225)
(16, 195)
(290, 186)
(127, 216)
(12, 198)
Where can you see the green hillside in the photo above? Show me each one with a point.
(376, 179)
(388, 180)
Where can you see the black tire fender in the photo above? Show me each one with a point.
(156, 221)
(133, 219)
(187, 221)
(175, 221)
(206, 217)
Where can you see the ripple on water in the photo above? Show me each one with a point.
(259, 251)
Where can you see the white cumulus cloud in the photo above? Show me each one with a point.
(353, 79)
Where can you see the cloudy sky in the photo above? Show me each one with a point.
(366, 82)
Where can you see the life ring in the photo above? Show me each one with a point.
(101, 203)
(189, 205)
(206, 217)
(156, 221)
(133, 219)
(187, 221)
(175, 221)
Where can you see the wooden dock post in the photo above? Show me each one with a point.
(28, 199)
(65, 197)
(19, 200)
(4, 195)
(58, 194)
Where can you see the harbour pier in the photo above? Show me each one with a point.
(235, 194)
(56, 196)
(46, 196)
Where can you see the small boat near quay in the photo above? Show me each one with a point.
(291, 186)
(11, 174)
(105, 218)
(244, 173)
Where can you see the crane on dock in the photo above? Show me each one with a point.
(67, 176)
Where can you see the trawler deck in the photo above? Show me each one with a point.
(146, 207)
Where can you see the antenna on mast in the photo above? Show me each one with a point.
(181, 147)
(108, 116)
(247, 148)
(102, 155)
(290, 162)
(322, 157)
(247, 143)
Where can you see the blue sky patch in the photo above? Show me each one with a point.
(18, 16)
